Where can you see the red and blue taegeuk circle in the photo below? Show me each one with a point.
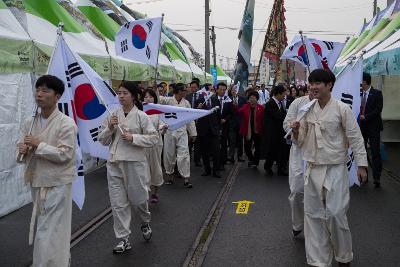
(87, 104)
(302, 52)
(139, 37)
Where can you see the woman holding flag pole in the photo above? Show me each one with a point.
(127, 165)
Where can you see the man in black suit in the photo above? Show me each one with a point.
(235, 139)
(192, 98)
(208, 130)
(371, 124)
(226, 114)
(274, 142)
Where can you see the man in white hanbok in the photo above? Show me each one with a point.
(324, 136)
(48, 152)
(176, 150)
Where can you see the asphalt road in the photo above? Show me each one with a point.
(260, 238)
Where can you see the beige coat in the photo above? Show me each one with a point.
(52, 163)
(191, 126)
(325, 135)
(144, 136)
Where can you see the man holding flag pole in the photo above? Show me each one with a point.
(324, 135)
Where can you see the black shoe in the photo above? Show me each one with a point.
(240, 159)
(250, 164)
(146, 231)
(216, 175)
(230, 160)
(296, 233)
(197, 164)
(269, 172)
(377, 184)
(187, 184)
(221, 168)
(206, 174)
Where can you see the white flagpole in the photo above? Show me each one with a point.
(158, 52)
(35, 109)
(305, 47)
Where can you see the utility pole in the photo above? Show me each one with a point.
(375, 6)
(207, 36)
(213, 45)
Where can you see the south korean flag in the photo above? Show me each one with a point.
(86, 98)
(347, 90)
(139, 40)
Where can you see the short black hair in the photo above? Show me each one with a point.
(179, 87)
(195, 82)
(367, 78)
(253, 93)
(196, 79)
(152, 93)
(207, 84)
(222, 84)
(322, 75)
(160, 85)
(278, 89)
(51, 82)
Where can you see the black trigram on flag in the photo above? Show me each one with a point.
(110, 89)
(68, 78)
(329, 45)
(148, 52)
(124, 46)
(348, 99)
(171, 116)
(350, 161)
(149, 25)
(63, 108)
(94, 133)
(126, 25)
(80, 169)
(74, 70)
(291, 47)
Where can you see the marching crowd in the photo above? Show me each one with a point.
(254, 124)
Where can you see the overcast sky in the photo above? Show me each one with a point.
(340, 17)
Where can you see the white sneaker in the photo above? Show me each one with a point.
(122, 246)
(146, 231)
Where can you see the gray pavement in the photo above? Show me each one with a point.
(263, 236)
(176, 221)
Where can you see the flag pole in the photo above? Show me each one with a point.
(305, 47)
(158, 52)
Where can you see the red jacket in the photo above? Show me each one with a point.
(244, 112)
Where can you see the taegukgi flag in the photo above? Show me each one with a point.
(347, 90)
(315, 53)
(89, 95)
(175, 117)
(139, 40)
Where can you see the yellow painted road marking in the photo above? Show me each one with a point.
(243, 206)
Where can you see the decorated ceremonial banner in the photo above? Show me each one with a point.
(347, 89)
(139, 40)
(175, 117)
(321, 54)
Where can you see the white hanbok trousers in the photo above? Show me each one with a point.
(326, 201)
(176, 151)
(127, 186)
(155, 174)
(52, 211)
(296, 185)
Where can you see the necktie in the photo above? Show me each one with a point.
(222, 106)
(193, 98)
(281, 106)
(363, 103)
(209, 104)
